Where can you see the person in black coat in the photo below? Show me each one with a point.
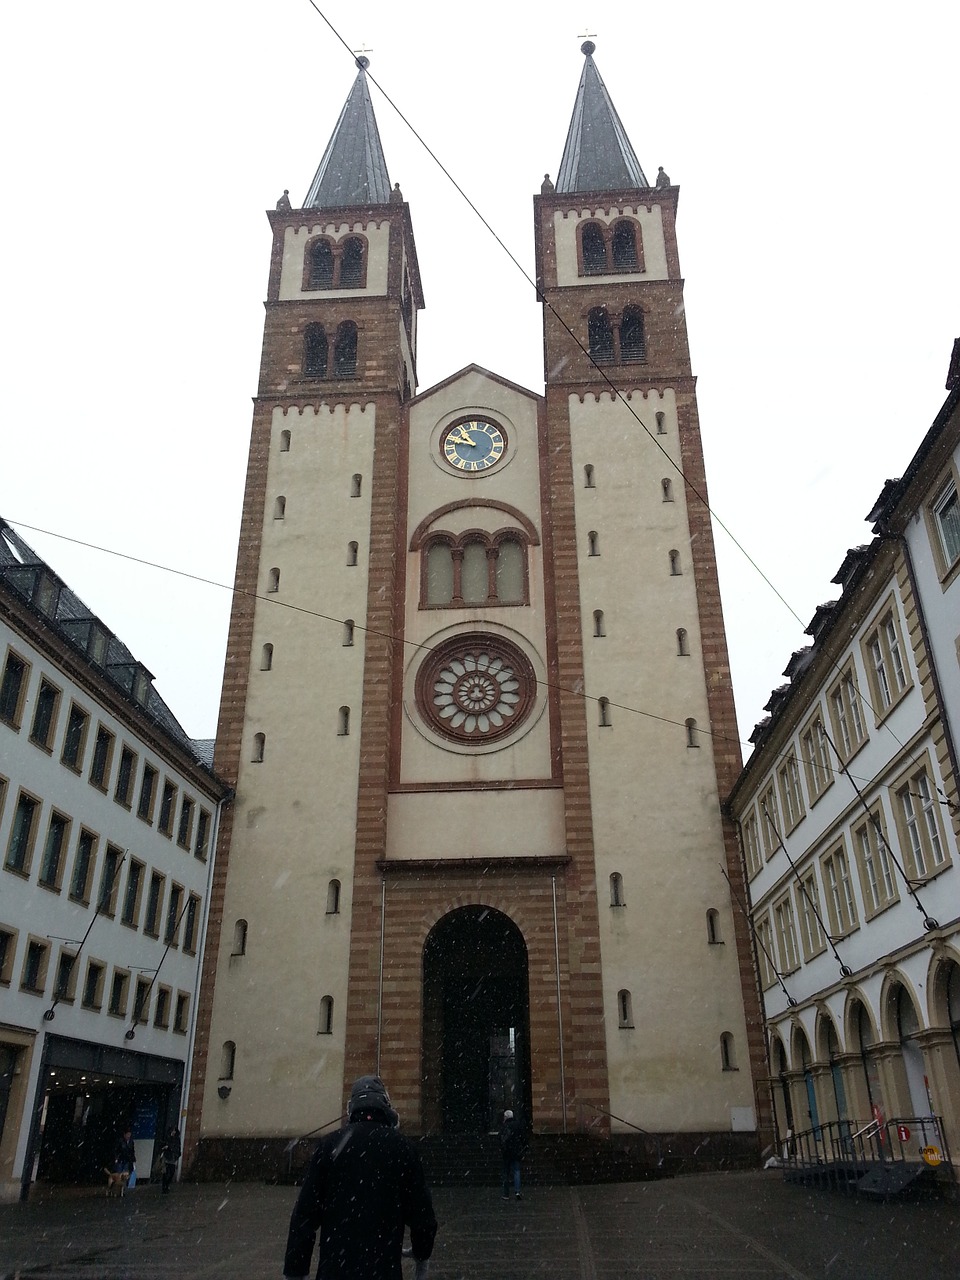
(512, 1143)
(171, 1152)
(364, 1185)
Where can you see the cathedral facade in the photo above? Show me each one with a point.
(476, 708)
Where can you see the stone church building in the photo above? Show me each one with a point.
(477, 707)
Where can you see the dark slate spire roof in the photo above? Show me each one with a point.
(353, 170)
(597, 155)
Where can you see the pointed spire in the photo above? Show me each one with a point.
(353, 170)
(597, 155)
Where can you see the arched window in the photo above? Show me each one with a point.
(284, 441)
(675, 564)
(661, 423)
(439, 586)
(315, 348)
(713, 927)
(600, 335)
(352, 549)
(599, 630)
(343, 722)
(351, 264)
(603, 706)
(624, 246)
(593, 543)
(321, 265)
(348, 632)
(345, 351)
(259, 747)
(508, 574)
(273, 580)
(326, 1016)
(356, 484)
(632, 342)
(692, 732)
(333, 898)
(228, 1058)
(266, 658)
(728, 1056)
(683, 647)
(666, 488)
(624, 1008)
(279, 508)
(594, 249)
(616, 890)
(474, 574)
(588, 480)
(239, 938)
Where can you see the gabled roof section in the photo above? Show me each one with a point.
(597, 155)
(353, 170)
(467, 371)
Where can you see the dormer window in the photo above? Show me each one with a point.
(330, 264)
(610, 249)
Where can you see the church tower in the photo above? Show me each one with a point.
(476, 705)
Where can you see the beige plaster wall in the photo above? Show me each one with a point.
(295, 238)
(476, 824)
(651, 226)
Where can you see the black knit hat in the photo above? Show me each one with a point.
(369, 1093)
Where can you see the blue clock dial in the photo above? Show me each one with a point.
(473, 446)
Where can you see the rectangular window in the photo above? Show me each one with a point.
(185, 825)
(118, 993)
(148, 791)
(946, 515)
(8, 945)
(751, 844)
(167, 806)
(93, 986)
(765, 957)
(141, 1004)
(35, 967)
(183, 1008)
(131, 898)
(808, 901)
(791, 794)
(83, 867)
(817, 762)
(51, 865)
(102, 758)
(13, 684)
(173, 915)
(110, 881)
(191, 921)
(127, 768)
(841, 907)
(66, 986)
(75, 738)
(161, 1015)
(844, 699)
(786, 936)
(151, 923)
(770, 821)
(22, 832)
(918, 817)
(884, 663)
(876, 871)
(201, 844)
(45, 714)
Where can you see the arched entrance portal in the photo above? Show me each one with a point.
(476, 1022)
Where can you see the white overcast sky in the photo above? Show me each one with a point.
(815, 147)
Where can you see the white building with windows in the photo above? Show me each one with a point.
(849, 820)
(108, 816)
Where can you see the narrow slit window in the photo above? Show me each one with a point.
(728, 1056)
(593, 543)
(356, 485)
(343, 722)
(683, 644)
(280, 508)
(589, 481)
(661, 423)
(616, 890)
(266, 658)
(326, 1016)
(675, 564)
(228, 1059)
(693, 739)
(239, 938)
(603, 707)
(347, 632)
(624, 1008)
(353, 549)
(714, 935)
(284, 441)
(333, 898)
(599, 629)
(273, 580)
(259, 747)
(666, 488)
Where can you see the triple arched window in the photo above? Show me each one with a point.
(616, 338)
(609, 248)
(316, 351)
(330, 264)
(473, 569)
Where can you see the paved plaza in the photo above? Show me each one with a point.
(715, 1225)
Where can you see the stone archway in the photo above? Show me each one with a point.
(476, 1020)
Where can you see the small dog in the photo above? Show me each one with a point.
(116, 1182)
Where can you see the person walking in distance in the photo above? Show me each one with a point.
(511, 1149)
(171, 1152)
(364, 1186)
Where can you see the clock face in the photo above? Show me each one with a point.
(473, 446)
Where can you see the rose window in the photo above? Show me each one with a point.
(475, 688)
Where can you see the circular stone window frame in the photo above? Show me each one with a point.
(422, 675)
(468, 413)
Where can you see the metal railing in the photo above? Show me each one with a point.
(843, 1151)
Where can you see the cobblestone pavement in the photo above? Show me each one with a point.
(698, 1228)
